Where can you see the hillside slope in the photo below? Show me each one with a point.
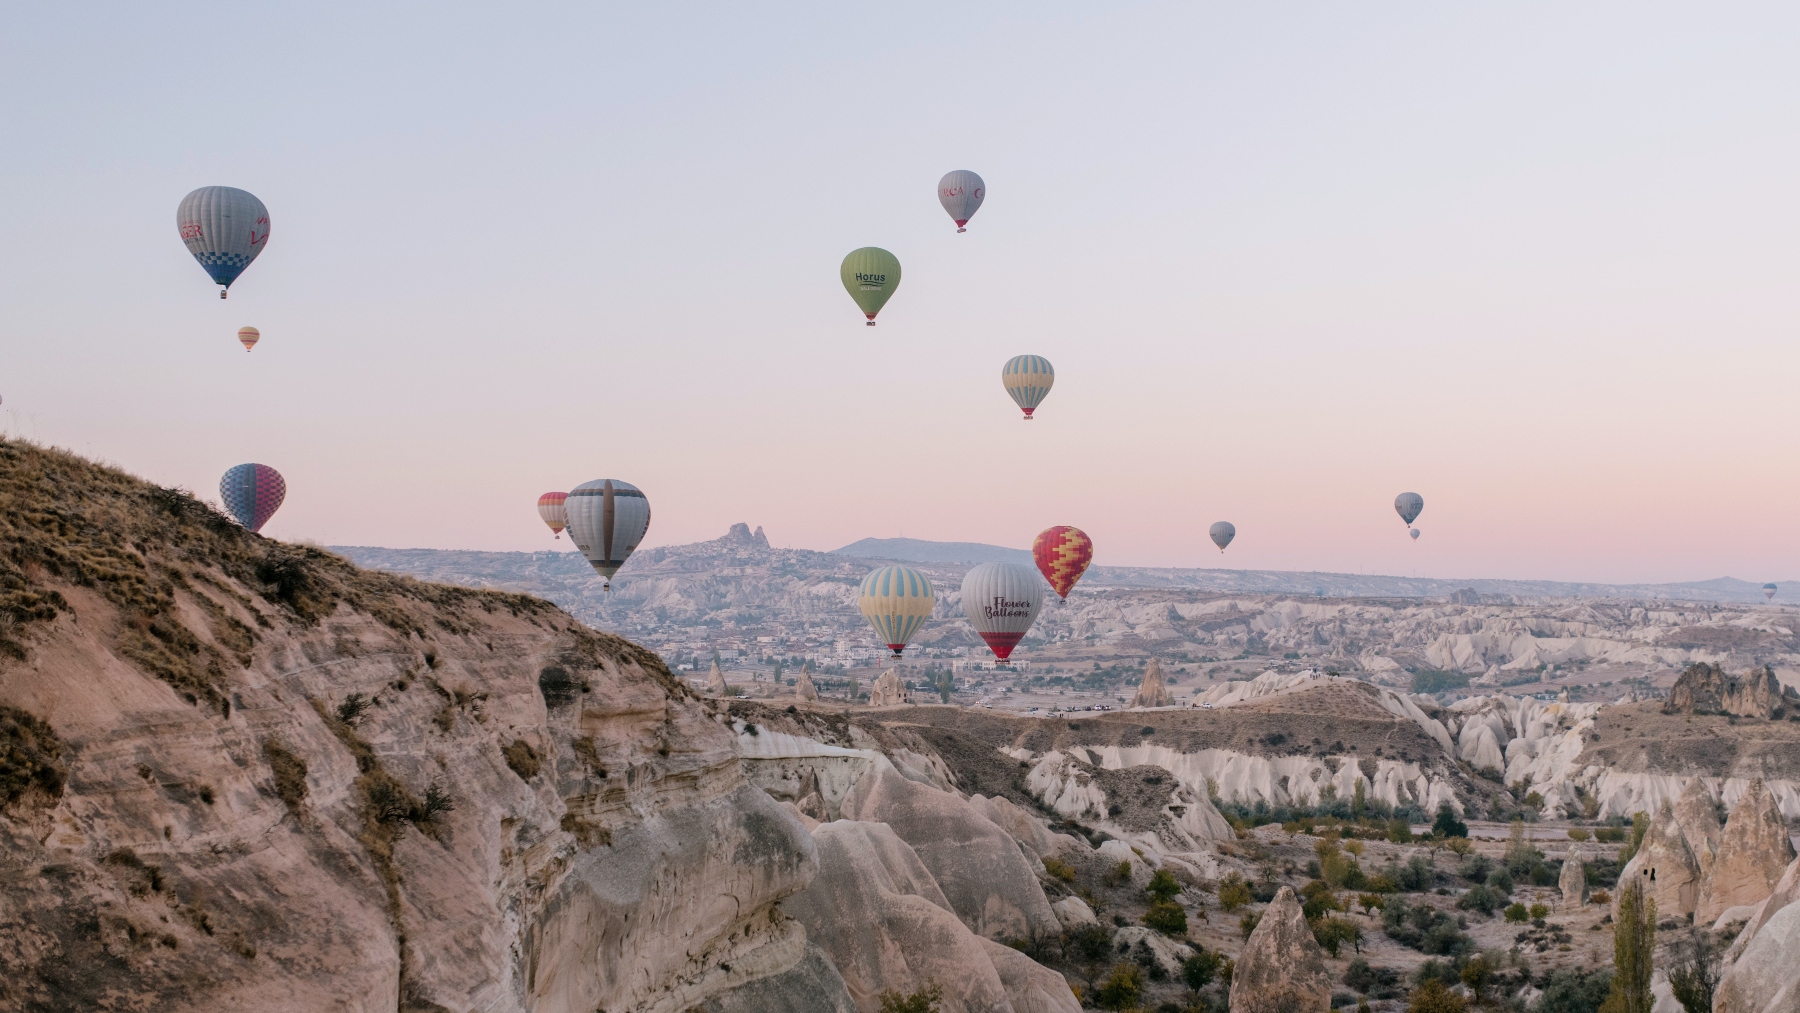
(238, 774)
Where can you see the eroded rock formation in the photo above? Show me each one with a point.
(1282, 966)
(1573, 881)
(888, 690)
(803, 686)
(715, 681)
(1754, 849)
(1152, 691)
(1706, 689)
(1667, 868)
(1759, 966)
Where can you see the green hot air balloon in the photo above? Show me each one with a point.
(870, 275)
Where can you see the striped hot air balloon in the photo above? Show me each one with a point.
(252, 492)
(550, 508)
(225, 229)
(248, 337)
(1002, 601)
(607, 519)
(1027, 379)
(897, 600)
(961, 193)
(870, 275)
(1221, 533)
(1062, 554)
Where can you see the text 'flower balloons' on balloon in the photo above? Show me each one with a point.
(1002, 601)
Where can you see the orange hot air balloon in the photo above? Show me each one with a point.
(1062, 554)
(249, 336)
(552, 508)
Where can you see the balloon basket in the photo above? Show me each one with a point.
(221, 293)
(962, 230)
(870, 323)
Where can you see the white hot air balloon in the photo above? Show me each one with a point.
(1414, 532)
(961, 193)
(1221, 533)
(1002, 601)
(607, 519)
(225, 229)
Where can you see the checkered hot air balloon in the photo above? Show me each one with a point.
(225, 229)
(1002, 601)
(607, 519)
(551, 509)
(1062, 554)
(252, 492)
(1027, 379)
(896, 600)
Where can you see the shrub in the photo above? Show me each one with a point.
(1375, 982)
(1234, 893)
(290, 773)
(1333, 933)
(1166, 917)
(1399, 832)
(1415, 875)
(1459, 845)
(1200, 969)
(1500, 880)
(925, 1000)
(1447, 825)
(1600, 897)
(1162, 885)
(1121, 988)
(1516, 912)
(559, 687)
(1477, 974)
(1609, 835)
(30, 757)
(352, 708)
(1482, 899)
(1059, 869)
(1433, 997)
(1247, 924)
(1539, 911)
(1571, 991)
(522, 759)
(1578, 834)
(1118, 875)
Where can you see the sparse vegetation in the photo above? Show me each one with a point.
(522, 759)
(1121, 989)
(30, 757)
(1059, 870)
(924, 1000)
(352, 708)
(1432, 997)
(290, 773)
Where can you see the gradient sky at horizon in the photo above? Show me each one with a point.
(1536, 262)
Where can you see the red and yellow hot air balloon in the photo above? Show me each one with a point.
(551, 507)
(1062, 554)
(249, 336)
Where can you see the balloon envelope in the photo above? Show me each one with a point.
(1221, 533)
(1769, 592)
(252, 492)
(1414, 532)
(225, 229)
(248, 337)
(1027, 378)
(961, 193)
(1062, 554)
(606, 519)
(896, 600)
(870, 275)
(1002, 601)
(551, 509)
(1408, 505)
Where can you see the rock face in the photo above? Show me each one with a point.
(1574, 881)
(1151, 691)
(879, 914)
(977, 866)
(292, 785)
(1760, 977)
(803, 686)
(1282, 966)
(1754, 849)
(1698, 818)
(1667, 867)
(1706, 689)
(715, 681)
(888, 691)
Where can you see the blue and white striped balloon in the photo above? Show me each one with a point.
(224, 228)
(1027, 378)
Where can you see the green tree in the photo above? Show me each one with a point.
(945, 684)
(1640, 825)
(1333, 933)
(1634, 942)
(1447, 825)
(1477, 974)
(1121, 988)
(1162, 886)
(1247, 924)
(1516, 912)
(1359, 800)
(1234, 893)
(1090, 945)
(925, 1000)
(1166, 917)
(1694, 973)
(1432, 997)
(1200, 969)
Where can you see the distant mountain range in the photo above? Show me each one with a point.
(1336, 585)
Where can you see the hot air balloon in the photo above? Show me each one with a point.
(248, 337)
(1002, 601)
(897, 600)
(253, 492)
(1027, 378)
(1221, 533)
(1408, 505)
(870, 276)
(1769, 592)
(961, 192)
(224, 228)
(1414, 532)
(607, 519)
(1062, 554)
(550, 508)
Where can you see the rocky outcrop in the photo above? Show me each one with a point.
(981, 872)
(812, 985)
(1073, 912)
(1754, 849)
(715, 681)
(1698, 817)
(877, 911)
(1282, 966)
(1706, 689)
(888, 690)
(1759, 973)
(1667, 868)
(292, 785)
(1030, 834)
(1152, 691)
(1573, 881)
(803, 686)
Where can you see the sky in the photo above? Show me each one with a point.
(1536, 262)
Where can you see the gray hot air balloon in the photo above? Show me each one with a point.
(1001, 601)
(1222, 532)
(607, 519)
(225, 229)
(1408, 505)
(1769, 592)
(961, 193)
(1414, 532)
